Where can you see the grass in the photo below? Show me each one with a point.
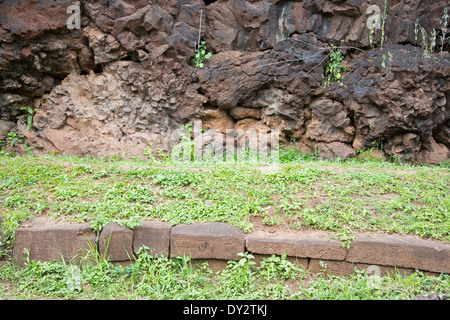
(160, 278)
(303, 192)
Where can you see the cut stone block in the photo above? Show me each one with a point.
(302, 244)
(153, 234)
(401, 251)
(47, 240)
(115, 242)
(342, 268)
(213, 240)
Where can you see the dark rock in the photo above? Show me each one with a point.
(126, 77)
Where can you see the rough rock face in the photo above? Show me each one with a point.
(124, 79)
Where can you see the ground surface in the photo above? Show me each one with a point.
(344, 198)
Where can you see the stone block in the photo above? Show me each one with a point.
(401, 251)
(47, 240)
(153, 234)
(213, 240)
(342, 268)
(115, 242)
(301, 244)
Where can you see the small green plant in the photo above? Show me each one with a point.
(373, 34)
(14, 138)
(29, 116)
(149, 153)
(201, 55)
(428, 42)
(334, 68)
(275, 268)
(185, 149)
(384, 57)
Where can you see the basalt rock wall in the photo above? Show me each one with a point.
(124, 79)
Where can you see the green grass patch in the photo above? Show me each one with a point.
(161, 278)
(303, 192)
(341, 197)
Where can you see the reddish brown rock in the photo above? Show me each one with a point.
(433, 152)
(115, 243)
(126, 77)
(240, 113)
(213, 240)
(330, 122)
(153, 234)
(401, 251)
(217, 119)
(46, 240)
(311, 244)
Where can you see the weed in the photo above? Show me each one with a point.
(429, 40)
(14, 138)
(334, 68)
(201, 55)
(29, 116)
(276, 268)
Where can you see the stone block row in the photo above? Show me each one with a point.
(42, 239)
(371, 249)
(46, 240)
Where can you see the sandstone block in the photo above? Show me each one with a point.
(342, 268)
(213, 240)
(401, 251)
(311, 244)
(153, 234)
(116, 242)
(46, 240)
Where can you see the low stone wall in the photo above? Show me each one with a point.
(219, 242)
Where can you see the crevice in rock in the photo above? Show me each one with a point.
(201, 91)
(208, 2)
(98, 69)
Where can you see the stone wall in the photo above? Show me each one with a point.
(219, 242)
(124, 79)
